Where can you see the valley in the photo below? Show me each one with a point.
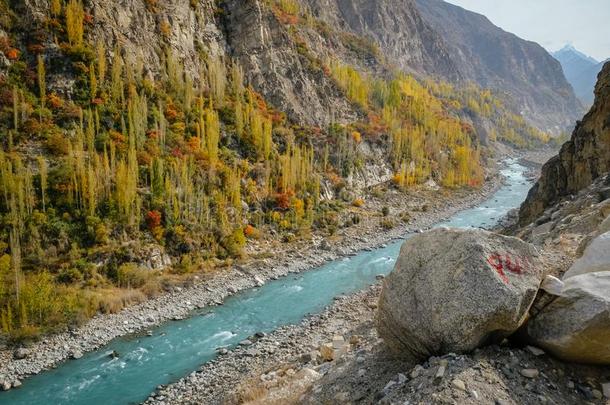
(299, 201)
(238, 318)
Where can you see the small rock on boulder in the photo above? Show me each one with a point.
(454, 290)
(576, 325)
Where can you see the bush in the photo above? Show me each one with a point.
(251, 232)
(358, 203)
(129, 275)
(387, 224)
(70, 276)
(235, 242)
(385, 211)
(405, 217)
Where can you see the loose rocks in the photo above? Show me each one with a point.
(576, 326)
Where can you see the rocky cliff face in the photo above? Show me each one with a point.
(427, 38)
(277, 70)
(397, 27)
(493, 58)
(581, 160)
(246, 31)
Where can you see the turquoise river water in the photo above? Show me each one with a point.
(178, 348)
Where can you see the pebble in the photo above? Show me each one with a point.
(597, 394)
(402, 378)
(535, 351)
(606, 389)
(416, 371)
(389, 386)
(440, 372)
(459, 384)
(530, 373)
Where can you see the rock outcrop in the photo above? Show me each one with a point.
(576, 325)
(581, 160)
(273, 66)
(454, 290)
(399, 30)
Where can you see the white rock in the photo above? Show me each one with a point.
(535, 351)
(530, 373)
(389, 386)
(459, 384)
(552, 285)
(338, 342)
(606, 389)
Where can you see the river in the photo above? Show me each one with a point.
(177, 348)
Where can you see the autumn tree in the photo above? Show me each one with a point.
(75, 16)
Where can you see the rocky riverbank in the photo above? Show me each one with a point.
(338, 357)
(292, 365)
(425, 207)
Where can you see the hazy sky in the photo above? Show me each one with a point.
(552, 23)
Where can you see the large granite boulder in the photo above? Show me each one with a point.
(454, 290)
(576, 325)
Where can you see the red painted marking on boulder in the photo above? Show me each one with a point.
(506, 262)
(495, 261)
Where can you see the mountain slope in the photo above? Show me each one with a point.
(397, 28)
(581, 160)
(580, 70)
(573, 61)
(494, 58)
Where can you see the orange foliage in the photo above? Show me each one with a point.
(54, 101)
(153, 219)
(282, 200)
(194, 144)
(251, 232)
(171, 113)
(358, 203)
(12, 54)
(165, 28)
